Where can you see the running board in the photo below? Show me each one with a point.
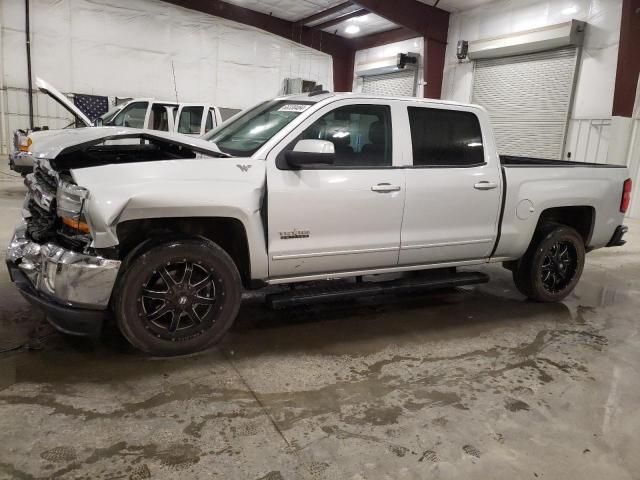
(344, 291)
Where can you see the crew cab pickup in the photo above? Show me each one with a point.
(164, 234)
(147, 113)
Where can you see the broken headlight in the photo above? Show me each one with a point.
(70, 201)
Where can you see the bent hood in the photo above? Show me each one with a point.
(195, 187)
(52, 145)
(62, 99)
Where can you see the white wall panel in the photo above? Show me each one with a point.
(126, 49)
(588, 140)
(596, 82)
(116, 49)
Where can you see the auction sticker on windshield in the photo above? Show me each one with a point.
(294, 107)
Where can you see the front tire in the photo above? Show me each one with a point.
(552, 265)
(177, 297)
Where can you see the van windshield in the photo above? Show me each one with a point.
(243, 136)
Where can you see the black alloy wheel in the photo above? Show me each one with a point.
(180, 300)
(177, 296)
(552, 265)
(559, 266)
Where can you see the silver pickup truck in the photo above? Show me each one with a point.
(162, 234)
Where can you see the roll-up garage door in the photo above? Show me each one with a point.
(398, 84)
(528, 99)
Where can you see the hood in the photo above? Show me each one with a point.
(67, 104)
(78, 141)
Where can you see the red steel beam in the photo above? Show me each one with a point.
(343, 68)
(434, 53)
(628, 60)
(429, 22)
(335, 21)
(383, 38)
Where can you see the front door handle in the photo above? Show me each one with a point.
(484, 185)
(385, 188)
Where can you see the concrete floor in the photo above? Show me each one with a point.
(467, 383)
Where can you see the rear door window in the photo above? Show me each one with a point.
(190, 120)
(159, 117)
(445, 138)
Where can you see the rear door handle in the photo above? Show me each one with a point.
(484, 185)
(385, 188)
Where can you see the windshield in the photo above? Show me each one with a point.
(107, 117)
(243, 136)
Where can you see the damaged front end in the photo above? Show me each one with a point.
(50, 258)
(53, 258)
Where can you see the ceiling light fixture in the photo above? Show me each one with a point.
(570, 10)
(352, 29)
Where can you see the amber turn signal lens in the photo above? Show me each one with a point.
(75, 224)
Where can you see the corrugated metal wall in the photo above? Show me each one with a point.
(398, 84)
(528, 98)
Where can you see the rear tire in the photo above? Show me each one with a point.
(552, 265)
(177, 297)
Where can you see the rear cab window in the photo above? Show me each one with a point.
(445, 138)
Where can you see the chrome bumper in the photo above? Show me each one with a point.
(21, 159)
(70, 278)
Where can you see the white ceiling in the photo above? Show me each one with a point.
(369, 23)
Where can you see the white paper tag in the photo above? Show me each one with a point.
(294, 107)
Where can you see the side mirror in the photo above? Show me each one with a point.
(98, 122)
(311, 152)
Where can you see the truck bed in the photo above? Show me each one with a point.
(534, 185)
(512, 161)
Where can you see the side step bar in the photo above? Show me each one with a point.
(344, 291)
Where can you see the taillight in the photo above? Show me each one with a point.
(626, 196)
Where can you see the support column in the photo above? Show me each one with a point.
(434, 53)
(628, 60)
(343, 71)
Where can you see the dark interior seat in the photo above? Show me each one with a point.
(342, 144)
(375, 149)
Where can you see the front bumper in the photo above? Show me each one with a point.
(73, 288)
(21, 162)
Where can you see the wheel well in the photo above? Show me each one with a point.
(579, 218)
(228, 233)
